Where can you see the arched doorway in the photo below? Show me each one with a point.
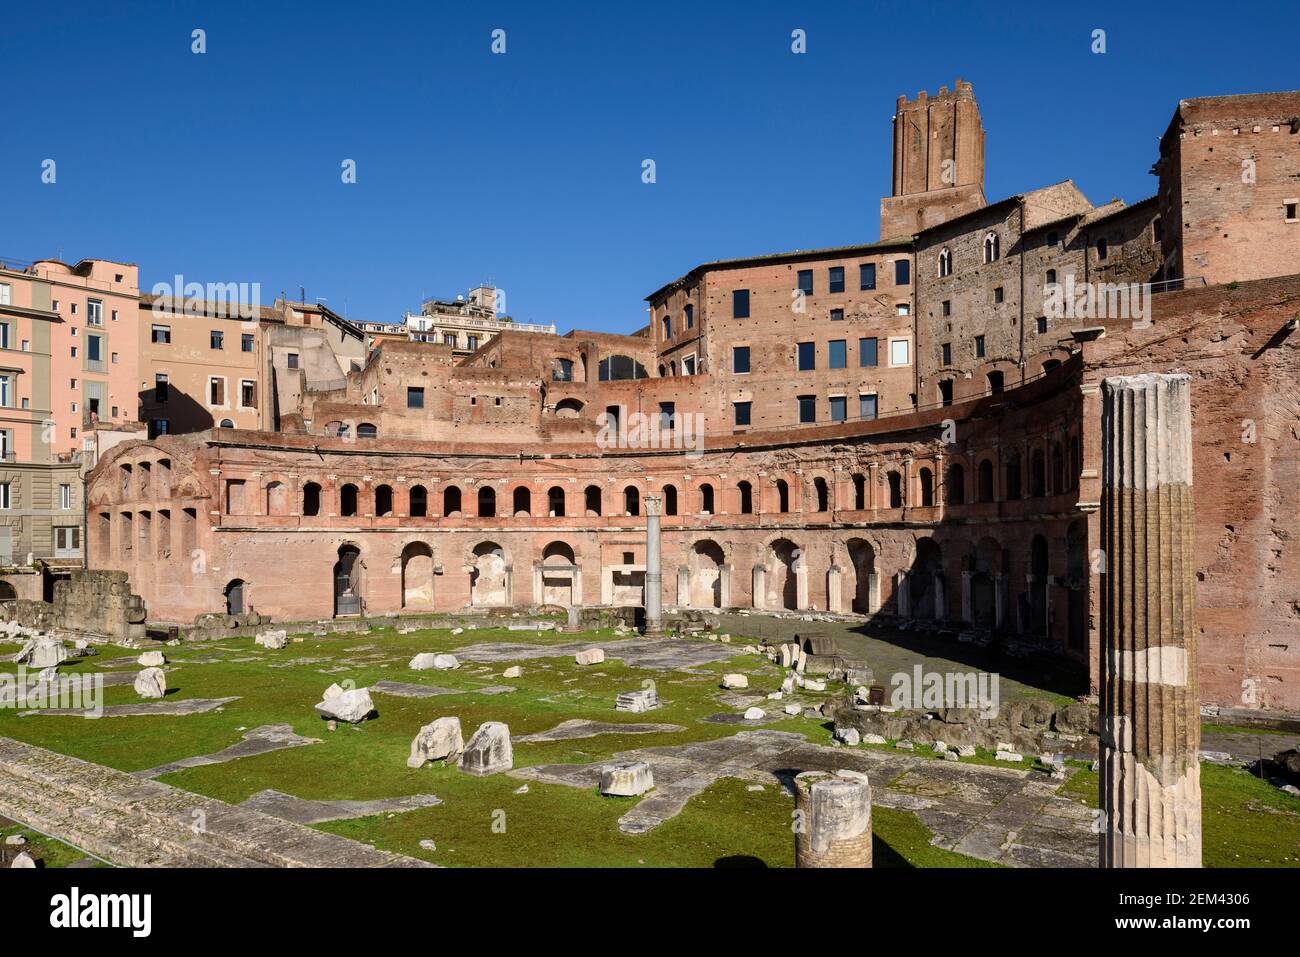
(417, 576)
(787, 559)
(1038, 586)
(925, 582)
(558, 572)
(707, 560)
(489, 576)
(863, 559)
(1076, 572)
(985, 564)
(347, 575)
(235, 597)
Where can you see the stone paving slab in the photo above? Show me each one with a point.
(584, 728)
(406, 689)
(270, 737)
(68, 684)
(651, 654)
(170, 708)
(1008, 815)
(304, 811)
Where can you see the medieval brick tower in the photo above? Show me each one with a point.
(938, 161)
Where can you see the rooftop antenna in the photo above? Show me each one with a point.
(302, 294)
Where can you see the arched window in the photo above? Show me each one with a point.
(1037, 474)
(927, 487)
(451, 500)
(591, 499)
(555, 501)
(419, 501)
(746, 498)
(670, 500)
(383, 499)
(613, 368)
(955, 486)
(706, 498)
(523, 501)
(995, 380)
(782, 495)
(992, 247)
(632, 500)
(945, 262)
(568, 408)
(1103, 249)
(1013, 478)
(487, 502)
(367, 430)
(1058, 468)
(895, 490)
(227, 424)
(311, 499)
(823, 494)
(985, 490)
(348, 499)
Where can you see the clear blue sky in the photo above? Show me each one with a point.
(526, 167)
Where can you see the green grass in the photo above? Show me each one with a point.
(550, 825)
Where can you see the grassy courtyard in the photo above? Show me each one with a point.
(485, 821)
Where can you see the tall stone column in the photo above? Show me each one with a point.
(1150, 720)
(654, 584)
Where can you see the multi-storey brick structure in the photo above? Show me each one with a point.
(420, 482)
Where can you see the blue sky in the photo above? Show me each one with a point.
(526, 167)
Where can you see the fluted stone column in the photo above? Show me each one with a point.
(1150, 721)
(653, 568)
(833, 827)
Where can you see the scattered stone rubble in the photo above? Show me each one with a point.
(489, 750)
(439, 741)
(352, 706)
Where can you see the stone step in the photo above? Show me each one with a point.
(145, 816)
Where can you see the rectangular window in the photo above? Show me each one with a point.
(449, 339)
(217, 339)
(94, 312)
(998, 295)
(94, 349)
(1291, 212)
(807, 408)
(5, 293)
(839, 408)
(835, 281)
(806, 281)
(979, 347)
(688, 365)
(472, 342)
(162, 334)
(837, 354)
(900, 352)
(867, 276)
(291, 360)
(902, 272)
(216, 391)
(160, 387)
(414, 397)
(867, 406)
(742, 412)
(740, 359)
(667, 415)
(1042, 324)
(6, 496)
(157, 427)
(690, 316)
(740, 304)
(837, 315)
(947, 307)
(867, 352)
(248, 394)
(947, 354)
(667, 325)
(807, 356)
(6, 390)
(65, 496)
(7, 452)
(246, 342)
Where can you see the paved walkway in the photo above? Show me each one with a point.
(141, 823)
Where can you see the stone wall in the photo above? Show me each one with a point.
(88, 603)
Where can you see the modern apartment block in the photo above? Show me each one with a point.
(466, 324)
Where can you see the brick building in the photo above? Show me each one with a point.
(423, 481)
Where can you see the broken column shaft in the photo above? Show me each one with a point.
(653, 568)
(1150, 719)
(832, 819)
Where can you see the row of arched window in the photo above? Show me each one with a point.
(992, 252)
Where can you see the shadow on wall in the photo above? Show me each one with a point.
(182, 411)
